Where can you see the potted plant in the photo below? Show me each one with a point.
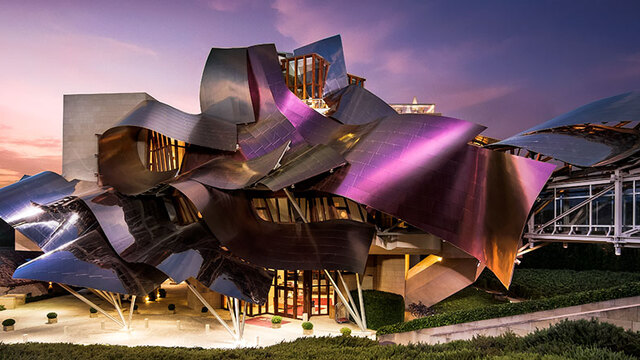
(204, 311)
(7, 325)
(307, 328)
(172, 308)
(93, 312)
(276, 322)
(135, 309)
(345, 331)
(152, 296)
(162, 293)
(52, 318)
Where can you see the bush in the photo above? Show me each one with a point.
(8, 322)
(171, 307)
(162, 293)
(307, 325)
(345, 331)
(420, 310)
(92, 310)
(276, 319)
(501, 310)
(204, 310)
(52, 315)
(381, 308)
(152, 296)
(2, 307)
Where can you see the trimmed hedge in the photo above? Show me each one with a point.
(541, 283)
(381, 308)
(570, 340)
(502, 310)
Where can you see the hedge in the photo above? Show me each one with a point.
(381, 308)
(568, 340)
(502, 310)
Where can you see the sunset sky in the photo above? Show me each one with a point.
(504, 64)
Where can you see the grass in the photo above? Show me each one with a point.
(468, 298)
(567, 340)
(543, 283)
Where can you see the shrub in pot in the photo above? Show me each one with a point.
(345, 331)
(307, 328)
(204, 311)
(172, 308)
(52, 318)
(276, 322)
(135, 309)
(152, 296)
(7, 325)
(93, 312)
(162, 293)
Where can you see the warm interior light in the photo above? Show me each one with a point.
(439, 258)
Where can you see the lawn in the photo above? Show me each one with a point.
(567, 340)
(468, 298)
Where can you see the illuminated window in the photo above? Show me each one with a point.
(164, 153)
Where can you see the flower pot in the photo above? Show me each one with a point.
(307, 332)
(136, 312)
(53, 321)
(8, 328)
(276, 326)
(172, 311)
(93, 315)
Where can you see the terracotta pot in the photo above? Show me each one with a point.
(307, 332)
(8, 328)
(93, 315)
(172, 311)
(53, 321)
(276, 326)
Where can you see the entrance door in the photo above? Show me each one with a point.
(298, 292)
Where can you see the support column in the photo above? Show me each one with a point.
(215, 314)
(617, 214)
(344, 300)
(88, 302)
(362, 309)
(133, 304)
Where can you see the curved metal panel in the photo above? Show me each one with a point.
(224, 89)
(354, 105)
(314, 161)
(229, 173)
(331, 50)
(19, 204)
(147, 235)
(89, 261)
(201, 129)
(420, 169)
(581, 149)
(314, 127)
(578, 138)
(331, 245)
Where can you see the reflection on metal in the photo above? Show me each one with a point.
(88, 302)
(596, 134)
(175, 190)
(224, 89)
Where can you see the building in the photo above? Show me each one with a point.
(293, 186)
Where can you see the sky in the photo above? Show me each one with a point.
(507, 64)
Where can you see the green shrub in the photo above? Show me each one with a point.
(162, 293)
(92, 310)
(345, 331)
(52, 315)
(2, 307)
(502, 310)
(8, 322)
(204, 310)
(276, 319)
(171, 307)
(381, 308)
(307, 325)
(152, 296)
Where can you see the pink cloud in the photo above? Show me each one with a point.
(230, 6)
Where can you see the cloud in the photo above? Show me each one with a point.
(19, 165)
(309, 21)
(230, 5)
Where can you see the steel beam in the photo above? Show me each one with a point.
(88, 302)
(210, 308)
